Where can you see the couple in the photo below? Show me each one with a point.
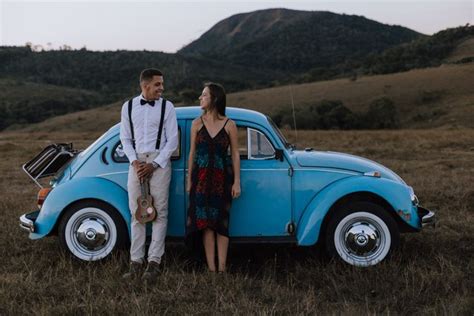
(212, 181)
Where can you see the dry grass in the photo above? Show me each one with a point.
(442, 96)
(463, 50)
(431, 273)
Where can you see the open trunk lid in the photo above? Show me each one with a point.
(49, 161)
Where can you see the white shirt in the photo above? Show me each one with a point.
(146, 121)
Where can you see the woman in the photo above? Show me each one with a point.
(213, 179)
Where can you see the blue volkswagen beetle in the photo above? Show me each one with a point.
(355, 207)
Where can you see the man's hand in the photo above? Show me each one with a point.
(145, 171)
(136, 165)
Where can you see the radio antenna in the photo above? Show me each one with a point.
(294, 115)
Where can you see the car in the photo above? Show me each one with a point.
(355, 207)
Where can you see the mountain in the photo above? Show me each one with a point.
(241, 29)
(245, 52)
(296, 41)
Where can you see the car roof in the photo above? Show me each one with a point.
(191, 112)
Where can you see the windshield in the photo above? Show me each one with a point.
(278, 132)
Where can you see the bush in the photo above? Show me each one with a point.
(326, 114)
(189, 96)
(429, 96)
(330, 114)
(382, 114)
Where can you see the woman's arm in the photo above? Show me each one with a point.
(234, 147)
(192, 151)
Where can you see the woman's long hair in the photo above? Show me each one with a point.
(218, 98)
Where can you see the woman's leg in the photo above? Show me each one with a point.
(209, 241)
(222, 246)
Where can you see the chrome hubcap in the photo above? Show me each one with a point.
(361, 238)
(92, 233)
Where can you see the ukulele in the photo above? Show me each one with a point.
(146, 212)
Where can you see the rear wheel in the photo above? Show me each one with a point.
(361, 234)
(91, 230)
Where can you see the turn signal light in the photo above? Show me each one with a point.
(406, 216)
(42, 194)
(375, 174)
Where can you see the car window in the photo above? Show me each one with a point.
(118, 155)
(260, 147)
(255, 141)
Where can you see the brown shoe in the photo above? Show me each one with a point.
(151, 272)
(134, 271)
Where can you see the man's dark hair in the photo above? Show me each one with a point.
(218, 98)
(148, 74)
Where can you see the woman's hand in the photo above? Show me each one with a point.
(188, 185)
(235, 190)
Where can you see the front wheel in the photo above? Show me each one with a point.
(91, 230)
(361, 234)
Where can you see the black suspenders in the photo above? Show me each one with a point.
(162, 119)
(160, 128)
(130, 120)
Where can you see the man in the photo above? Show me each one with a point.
(149, 156)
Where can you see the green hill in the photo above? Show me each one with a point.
(424, 52)
(24, 102)
(115, 74)
(424, 98)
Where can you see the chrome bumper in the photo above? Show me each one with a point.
(27, 221)
(428, 218)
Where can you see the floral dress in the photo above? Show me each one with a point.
(211, 183)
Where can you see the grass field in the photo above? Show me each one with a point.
(425, 98)
(431, 273)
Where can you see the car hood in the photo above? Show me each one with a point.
(341, 161)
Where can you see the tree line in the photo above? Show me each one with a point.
(113, 75)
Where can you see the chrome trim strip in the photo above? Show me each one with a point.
(429, 220)
(111, 173)
(353, 173)
(249, 145)
(261, 169)
(27, 224)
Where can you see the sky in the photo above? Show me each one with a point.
(170, 25)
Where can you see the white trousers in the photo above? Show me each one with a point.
(159, 189)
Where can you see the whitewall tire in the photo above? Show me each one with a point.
(92, 230)
(361, 234)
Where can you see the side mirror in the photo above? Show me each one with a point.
(279, 154)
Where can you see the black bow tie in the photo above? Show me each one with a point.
(143, 102)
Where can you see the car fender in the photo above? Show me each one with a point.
(79, 189)
(394, 193)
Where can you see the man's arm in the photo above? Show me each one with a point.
(170, 129)
(126, 135)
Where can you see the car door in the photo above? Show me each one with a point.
(264, 207)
